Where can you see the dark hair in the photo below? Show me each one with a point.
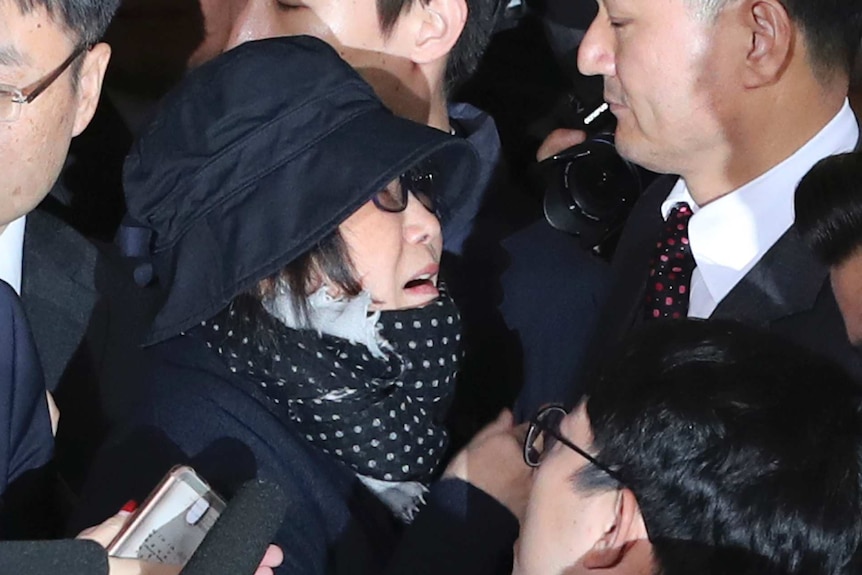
(829, 207)
(86, 19)
(832, 28)
(329, 259)
(470, 46)
(738, 441)
(833, 31)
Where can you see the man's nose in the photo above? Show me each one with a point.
(596, 55)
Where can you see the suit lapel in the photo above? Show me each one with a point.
(785, 281)
(634, 252)
(58, 290)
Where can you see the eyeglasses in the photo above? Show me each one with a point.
(393, 198)
(11, 98)
(544, 432)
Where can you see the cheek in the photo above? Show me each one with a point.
(550, 534)
(30, 159)
(375, 249)
(352, 26)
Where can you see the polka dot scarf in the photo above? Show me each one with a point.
(382, 416)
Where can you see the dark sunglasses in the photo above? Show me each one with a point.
(394, 197)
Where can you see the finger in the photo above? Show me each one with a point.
(520, 431)
(559, 140)
(53, 413)
(273, 557)
(505, 419)
(105, 532)
(500, 425)
(137, 567)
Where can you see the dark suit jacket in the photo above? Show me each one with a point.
(25, 429)
(26, 443)
(87, 318)
(786, 292)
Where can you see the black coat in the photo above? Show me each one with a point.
(200, 413)
(88, 318)
(787, 291)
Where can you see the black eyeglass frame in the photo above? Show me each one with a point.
(416, 182)
(538, 426)
(32, 91)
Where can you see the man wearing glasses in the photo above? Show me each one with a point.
(51, 70)
(702, 450)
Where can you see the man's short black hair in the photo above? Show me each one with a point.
(829, 208)
(468, 50)
(832, 28)
(737, 441)
(86, 19)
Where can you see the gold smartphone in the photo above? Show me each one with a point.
(172, 522)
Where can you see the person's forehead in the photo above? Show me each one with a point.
(657, 7)
(28, 37)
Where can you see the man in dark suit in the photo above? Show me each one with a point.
(739, 99)
(77, 301)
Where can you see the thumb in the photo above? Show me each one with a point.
(559, 140)
(503, 423)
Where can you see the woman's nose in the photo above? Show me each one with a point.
(420, 224)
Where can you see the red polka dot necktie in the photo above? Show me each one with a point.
(670, 268)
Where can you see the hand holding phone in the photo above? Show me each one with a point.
(172, 522)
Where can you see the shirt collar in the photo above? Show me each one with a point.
(11, 253)
(729, 235)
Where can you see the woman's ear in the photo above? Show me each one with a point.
(773, 36)
(439, 25)
(90, 79)
(626, 528)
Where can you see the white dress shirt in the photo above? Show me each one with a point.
(729, 235)
(12, 253)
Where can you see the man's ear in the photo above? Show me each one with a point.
(438, 28)
(627, 527)
(773, 39)
(90, 80)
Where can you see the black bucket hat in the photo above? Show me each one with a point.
(259, 155)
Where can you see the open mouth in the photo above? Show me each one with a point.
(420, 281)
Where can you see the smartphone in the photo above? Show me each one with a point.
(172, 522)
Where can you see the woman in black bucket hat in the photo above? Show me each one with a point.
(303, 336)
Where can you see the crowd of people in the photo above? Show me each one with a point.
(264, 239)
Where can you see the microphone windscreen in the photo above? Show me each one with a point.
(66, 556)
(236, 543)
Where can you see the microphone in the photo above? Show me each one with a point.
(67, 556)
(236, 543)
